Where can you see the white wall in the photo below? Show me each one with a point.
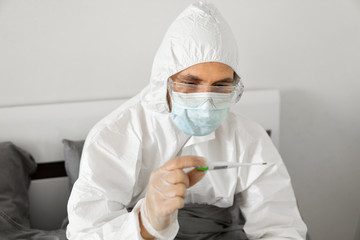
(54, 51)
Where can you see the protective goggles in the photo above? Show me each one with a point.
(192, 93)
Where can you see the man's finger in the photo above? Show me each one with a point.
(177, 190)
(184, 162)
(195, 176)
(177, 176)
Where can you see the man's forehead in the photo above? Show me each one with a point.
(207, 70)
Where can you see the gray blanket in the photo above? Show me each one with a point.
(15, 167)
(200, 221)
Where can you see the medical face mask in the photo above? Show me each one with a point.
(200, 113)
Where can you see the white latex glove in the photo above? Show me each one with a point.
(167, 189)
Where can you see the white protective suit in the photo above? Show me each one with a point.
(124, 148)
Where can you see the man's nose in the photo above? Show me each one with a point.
(205, 88)
(209, 104)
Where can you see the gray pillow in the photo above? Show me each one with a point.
(72, 155)
(16, 166)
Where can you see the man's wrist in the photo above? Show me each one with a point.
(144, 233)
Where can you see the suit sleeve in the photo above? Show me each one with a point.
(267, 199)
(97, 204)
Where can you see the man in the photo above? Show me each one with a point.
(138, 167)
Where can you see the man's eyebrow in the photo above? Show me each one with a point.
(189, 77)
(226, 80)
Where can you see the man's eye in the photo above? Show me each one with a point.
(223, 84)
(190, 83)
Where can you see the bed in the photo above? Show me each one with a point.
(40, 129)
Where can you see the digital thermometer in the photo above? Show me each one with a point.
(225, 165)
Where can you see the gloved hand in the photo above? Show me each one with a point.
(167, 189)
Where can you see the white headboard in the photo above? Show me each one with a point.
(39, 129)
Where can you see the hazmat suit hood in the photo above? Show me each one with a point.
(199, 34)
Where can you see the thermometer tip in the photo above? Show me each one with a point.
(202, 168)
